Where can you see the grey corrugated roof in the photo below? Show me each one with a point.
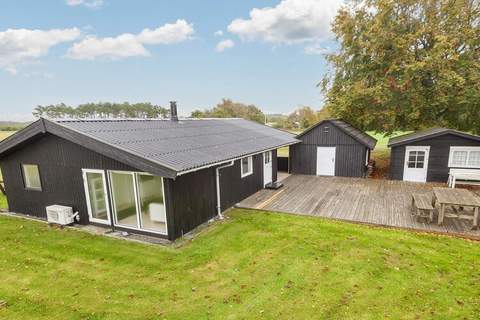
(355, 133)
(186, 144)
(429, 133)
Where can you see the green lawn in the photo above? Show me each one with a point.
(3, 201)
(255, 265)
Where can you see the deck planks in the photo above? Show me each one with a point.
(381, 202)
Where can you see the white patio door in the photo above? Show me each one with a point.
(267, 167)
(96, 194)
(326, 161)
(416, 164)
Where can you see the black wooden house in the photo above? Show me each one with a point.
(429, 155)
(158, 177)
(332, 148)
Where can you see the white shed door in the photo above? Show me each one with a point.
(326, 161)
(267, 167)
(416, 164)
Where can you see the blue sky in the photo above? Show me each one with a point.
(268, 53)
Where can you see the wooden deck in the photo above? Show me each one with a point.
(370, 201)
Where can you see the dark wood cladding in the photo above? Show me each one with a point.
(282, 164)
(234, 188)
(60, 164)
(193, 201)
(350, 157)
(438, 159)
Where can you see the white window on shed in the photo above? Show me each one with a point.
(464, 157)
(246, 166)
(31, 177)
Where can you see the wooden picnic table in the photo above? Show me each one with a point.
(456, 198)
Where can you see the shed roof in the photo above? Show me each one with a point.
(427, 134)
(350, 130)
(166, 147)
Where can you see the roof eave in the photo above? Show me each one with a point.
(434, 135)
(217, 163)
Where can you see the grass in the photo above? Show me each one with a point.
(3, 201)
(253, 265)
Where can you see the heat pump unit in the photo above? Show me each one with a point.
(60, 215)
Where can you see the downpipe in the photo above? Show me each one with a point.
(217, 171)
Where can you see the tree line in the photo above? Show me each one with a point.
(102, 110)
(301, 118)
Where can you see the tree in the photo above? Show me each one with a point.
(303, 117)
(102, 110)
(230, 109)
(406, 65)
(323, 114)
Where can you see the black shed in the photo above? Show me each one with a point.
(153, 176)
(332, 148)
(427, 156)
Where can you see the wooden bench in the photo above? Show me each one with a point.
(466, 176)
(422, 206)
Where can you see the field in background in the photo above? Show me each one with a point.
(3, 199)
(252, 265)
(381, 153)
(4, 134)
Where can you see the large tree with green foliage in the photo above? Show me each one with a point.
(101, 110)
(230, 109)
(406, 64)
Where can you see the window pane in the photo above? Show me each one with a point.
(244, 165)
(32, 176)
(474, 159)
(267, 157)
(412, 155)
(152, 203)
(124, 199)
(420, 164)
(411, 164)
(459, 158)
(96, 194)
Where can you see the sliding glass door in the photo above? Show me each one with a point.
(138, 201)
(124, 198)
(152, 204)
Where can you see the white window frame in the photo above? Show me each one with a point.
(39, 189)
(468, 150)
(137, 203)
(87, 196)
(250, 165)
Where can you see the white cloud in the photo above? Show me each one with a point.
(123, 46)
(316, 48)
(169, 33)
(224, 45)
(19, 46)
(129, 45)
(86, 3)
(290, 22)
(218, 33)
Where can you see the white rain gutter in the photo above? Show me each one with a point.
(219, 204)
